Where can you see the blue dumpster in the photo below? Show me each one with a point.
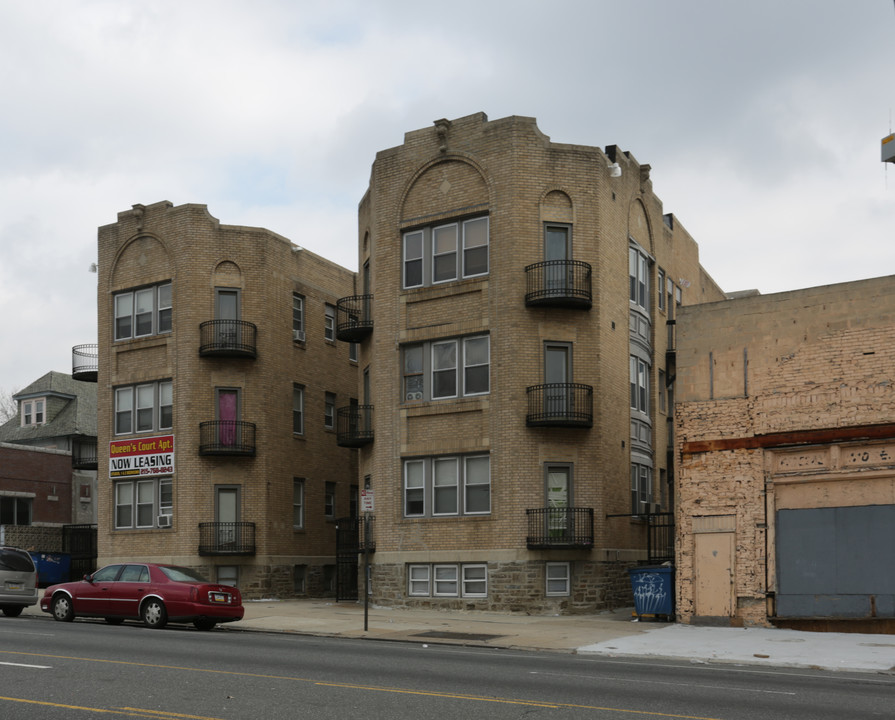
(52, 568)
(653, 590)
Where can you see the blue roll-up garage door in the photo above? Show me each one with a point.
(836, 562)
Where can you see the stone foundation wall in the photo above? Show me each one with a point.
(519, 587)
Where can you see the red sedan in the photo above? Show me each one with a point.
(155, 594)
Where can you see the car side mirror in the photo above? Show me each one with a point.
(88, 578)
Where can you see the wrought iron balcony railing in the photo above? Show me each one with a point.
(226, 437)
(354, 426)
(559, 283)
(85, 362)
(227, 538)
(554, 527)
(228, 338)
(83, 456)
(560, 405)
(354, 318)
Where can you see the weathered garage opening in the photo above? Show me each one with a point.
(835, 564)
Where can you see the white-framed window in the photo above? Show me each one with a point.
(298, 317)
(329, 322)
(639, 385)
(447, 485)
(298, 503)
(329, 410)
(329, 499)
(447, 580)
(558, 578)
(443, 253)
(660, 284)
(444, 369)
(144, 408)
(414, 488)
(475, 580)
(663, 406)
(139, 503)
(638, 278)
(641, 488)
(418, 580)
(298, 410)
(33, 412)
(143, 312)
(352, 351)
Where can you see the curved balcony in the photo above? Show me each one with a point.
(228, 338)
(85, 362)
(354, 318)
(558, 283)
(560, 405)
(557, 527)
(227, 538)
(354, 426)
(227, 437)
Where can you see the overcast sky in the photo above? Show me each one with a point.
(762, 121)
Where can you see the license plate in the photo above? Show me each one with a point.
(15, 586)
(219, 597)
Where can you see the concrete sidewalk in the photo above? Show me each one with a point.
(611, 634)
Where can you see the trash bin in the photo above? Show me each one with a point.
(653, 590)
(52, 568)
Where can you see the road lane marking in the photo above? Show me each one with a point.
(132, 712)
(510, 701)
(369, 688)
(38, 667)
(661, 682)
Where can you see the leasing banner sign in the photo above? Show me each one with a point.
(141, 457)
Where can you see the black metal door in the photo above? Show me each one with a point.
(79, 541)
(347, 549)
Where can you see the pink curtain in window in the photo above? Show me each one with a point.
(227, 417)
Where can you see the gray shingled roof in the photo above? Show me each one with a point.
(76, 417)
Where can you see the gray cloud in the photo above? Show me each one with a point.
(761, 120)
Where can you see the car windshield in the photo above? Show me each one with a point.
(15, 560)
(182, 574)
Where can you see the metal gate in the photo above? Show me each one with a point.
(79, 541)
(347, 549)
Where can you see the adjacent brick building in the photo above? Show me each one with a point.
(219, 375)
(515, 312)
(786, 433)
(55, 412)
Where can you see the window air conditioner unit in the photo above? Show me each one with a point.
(298, 335)
(414, 396)
(164, 521)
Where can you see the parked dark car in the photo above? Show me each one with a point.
(155, 594)
(18, 581)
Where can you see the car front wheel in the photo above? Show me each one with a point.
(13, 610)
(62, 609)
(154, 614)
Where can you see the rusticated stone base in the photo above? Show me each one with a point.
(519, 587)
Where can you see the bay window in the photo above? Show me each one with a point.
(143, 312)
(447, 485)
(443, 253)
(144, 408)
(442, 369)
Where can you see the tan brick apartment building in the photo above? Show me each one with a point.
(516, 365)
(219, 377)
(786, 429)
